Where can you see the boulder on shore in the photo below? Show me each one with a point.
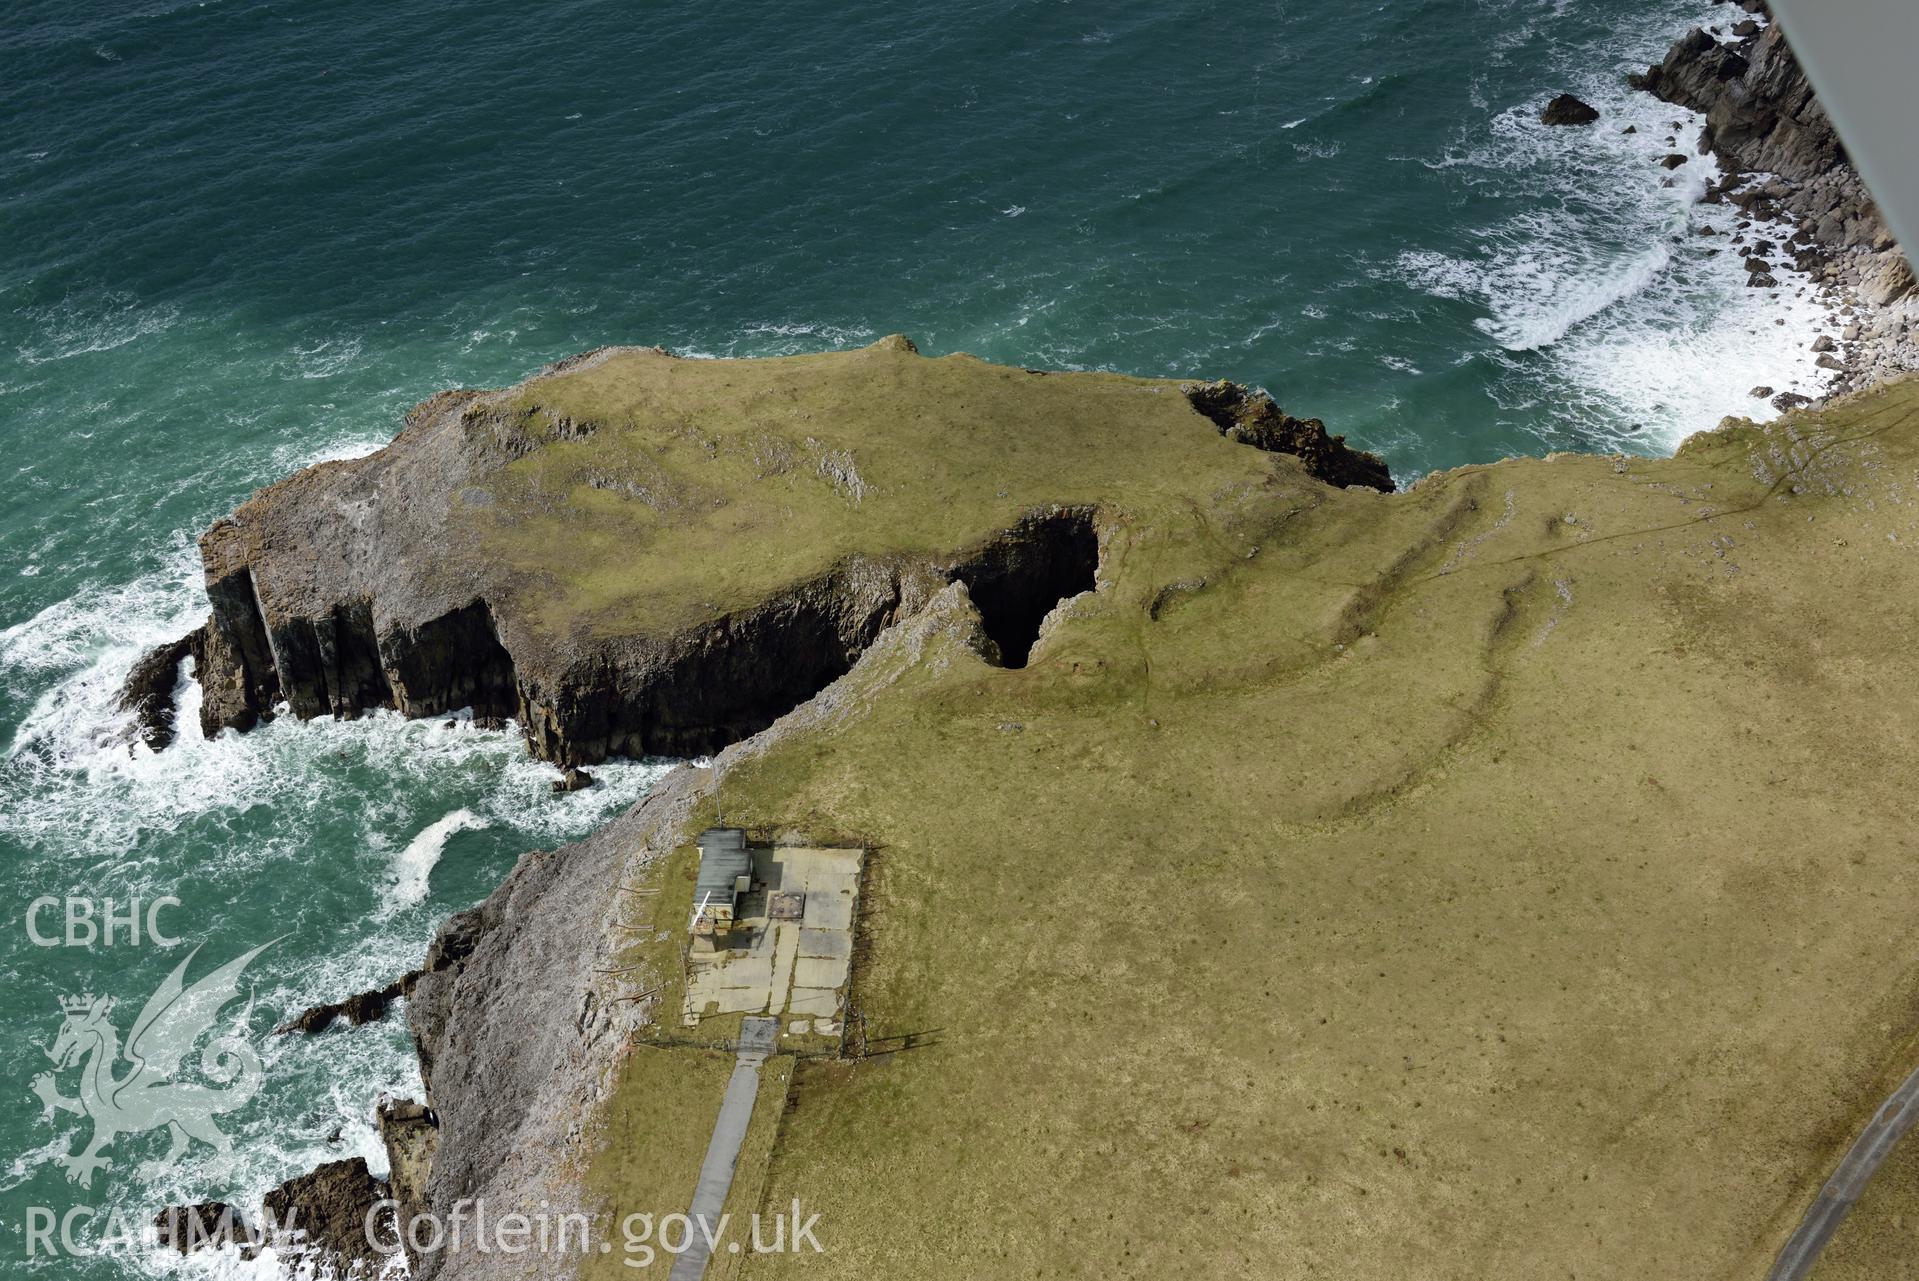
(574, 779)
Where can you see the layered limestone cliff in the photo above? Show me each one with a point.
(560, 552)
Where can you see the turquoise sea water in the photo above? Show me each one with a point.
(237, 237)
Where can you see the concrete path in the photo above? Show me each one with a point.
(757, 1039)
(1894, 1117)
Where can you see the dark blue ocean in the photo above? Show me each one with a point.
(239, 236)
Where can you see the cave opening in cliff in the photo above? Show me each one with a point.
(1024, 574)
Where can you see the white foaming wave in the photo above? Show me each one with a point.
(108, 624)
(75, 777)
(353, 1070)
(76, 795)
(326, 357)
(415, 863)
(1539, 298)
(1681, 363)
(1602, 295)
(77, 782)
(768, 338)
(288, 459)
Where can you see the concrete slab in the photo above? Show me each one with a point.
(834, 883)
(833, 945)
(812, 866)
(813, 971)
(778, 965)
(786, 947)
(813, 1000)
(829, 911)
(758, 1037)
(748, 971)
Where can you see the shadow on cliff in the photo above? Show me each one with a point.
(690, 693)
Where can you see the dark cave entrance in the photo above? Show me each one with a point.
(1017, 580)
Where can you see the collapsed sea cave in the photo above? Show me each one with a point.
(1024, 574)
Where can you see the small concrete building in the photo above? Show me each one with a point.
(726, 874)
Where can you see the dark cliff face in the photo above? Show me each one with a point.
(687, 693)
(1787, 170)
(371, 583)
(1251, 418)
(1760, 109)
(1762, 116)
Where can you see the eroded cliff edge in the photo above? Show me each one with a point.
(560, 552)
(1519, 848)
(1511, 857)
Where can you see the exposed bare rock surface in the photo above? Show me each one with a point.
(1786, 166)
(148, 692)
(1250, 417)
(520, 1020)
(186, 1228)
(360, 1008)
(1568, 110)
(533, 553)
(330, 1219)
(410, 1132)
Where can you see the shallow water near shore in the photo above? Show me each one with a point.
(242, 237)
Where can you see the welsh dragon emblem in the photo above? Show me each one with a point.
(147, 1097)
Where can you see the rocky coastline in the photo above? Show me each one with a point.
(1801, 201)
(324, 602)
(1218, 587)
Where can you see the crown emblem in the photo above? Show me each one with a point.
(82, 1004)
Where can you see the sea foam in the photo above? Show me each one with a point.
(1603, 299)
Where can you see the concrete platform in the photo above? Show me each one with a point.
(776, 967)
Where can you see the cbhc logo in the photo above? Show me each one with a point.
(88, 921)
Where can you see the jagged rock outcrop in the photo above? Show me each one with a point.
(359, 1009)
(1762, 116)
(1250, 417)
(1786, 164)
(187, 1228)
(148, 692)
(410, 1132)
(331, 1219)
(526, 552)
